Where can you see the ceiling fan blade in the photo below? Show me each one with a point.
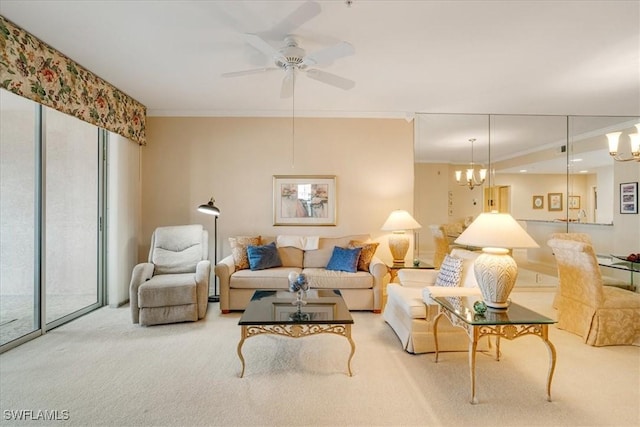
(327, 55)
(294, 20)
(287, 84)
(331, 79)
(248, 72)
(264, 47)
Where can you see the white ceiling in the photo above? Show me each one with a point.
(501, 57)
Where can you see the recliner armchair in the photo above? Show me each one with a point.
(173, 286)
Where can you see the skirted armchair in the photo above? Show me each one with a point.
(173, 286)
(601, 315)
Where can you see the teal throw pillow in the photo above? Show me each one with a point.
(344, 259)
(263, 257)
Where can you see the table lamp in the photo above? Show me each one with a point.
(495, 270)
(398, 222)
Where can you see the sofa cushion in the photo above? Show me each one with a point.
(262, 257)
(344, 259)
(468, 278)
(368, 251)
(271, 278)
(319, 258)
(239, 250)
(329, 279)
(450, 272)
(290, 256)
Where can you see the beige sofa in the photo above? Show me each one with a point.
(410, 311)
(361, 290)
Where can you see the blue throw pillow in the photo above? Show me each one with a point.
(344, 259)
(263, 257)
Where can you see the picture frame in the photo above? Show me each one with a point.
(629, 198)
(537, 202)
(554, 201)
(304, 200)
(574, 202)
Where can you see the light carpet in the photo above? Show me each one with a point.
(103, 370)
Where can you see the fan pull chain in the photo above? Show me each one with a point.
(293, 121)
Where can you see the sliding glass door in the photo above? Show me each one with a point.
(71, 215)
(51, 217)
(19, 268)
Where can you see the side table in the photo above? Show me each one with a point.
(511, 323)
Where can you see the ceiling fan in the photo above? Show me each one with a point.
(291, 58)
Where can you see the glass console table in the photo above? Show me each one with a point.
(620, 263)
(511, 323)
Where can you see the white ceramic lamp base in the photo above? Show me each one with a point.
(496, 273)
(399, 246)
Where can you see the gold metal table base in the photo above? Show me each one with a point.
(296, 331)
(508, 331)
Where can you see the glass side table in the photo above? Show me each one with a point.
(510, 323)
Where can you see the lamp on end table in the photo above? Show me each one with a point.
(210, 209)
(398, 222)
(495, 270)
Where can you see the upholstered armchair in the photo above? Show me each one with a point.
(601, 315)
(410, 311)
(173, 286)
(585, 238)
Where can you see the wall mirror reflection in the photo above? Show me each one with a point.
(551, 173)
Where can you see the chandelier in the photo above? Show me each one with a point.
(614, 137)
(473, 177)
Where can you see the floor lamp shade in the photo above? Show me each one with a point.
(398, 222)
(495, 270)
(211, 209)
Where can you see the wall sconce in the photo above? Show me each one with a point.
(634, 138)
(471, 180)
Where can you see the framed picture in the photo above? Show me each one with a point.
(538, 202)
(574, 202)
(304, 200)
(314, 312)
(629, 198)
(554, 201)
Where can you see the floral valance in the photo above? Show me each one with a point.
(34, 70)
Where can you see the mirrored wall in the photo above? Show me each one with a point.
(552, 173)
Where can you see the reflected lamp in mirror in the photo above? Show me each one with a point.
(495, 270)
(475, 175)
(614, 138)
(398, 222)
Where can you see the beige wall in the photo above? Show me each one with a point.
(123, 216)
(439, 199)
(187, 160)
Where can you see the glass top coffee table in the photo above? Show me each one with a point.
(276, 313)
(510, 323)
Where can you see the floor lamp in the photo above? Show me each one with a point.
(210, 209)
